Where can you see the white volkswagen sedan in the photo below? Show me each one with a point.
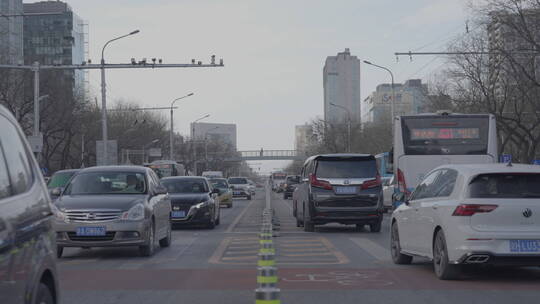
(471, 214)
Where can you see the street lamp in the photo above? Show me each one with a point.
(392, 105)
(193, 139)
(348, 124)
(171, 135)
(104, 98)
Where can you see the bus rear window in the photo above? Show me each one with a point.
(445, 135)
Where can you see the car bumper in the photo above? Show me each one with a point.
(488, 258)
(241, 193)
(349, 216)
(118, 233)
(194, 217)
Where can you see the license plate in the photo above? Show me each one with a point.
(524, 245)
(237, 192)
(91, 231)
(177, 214)
(345, 190)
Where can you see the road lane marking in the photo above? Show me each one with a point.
(239, 217)
(375, 250)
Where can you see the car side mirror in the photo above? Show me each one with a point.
(401, 197)
(56, 191)
(160, 190)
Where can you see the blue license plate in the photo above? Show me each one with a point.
(345, 190)
(524, 245)
(177, 214)
(91, 231)
(237, 193)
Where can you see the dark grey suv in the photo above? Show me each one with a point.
(339, 188)
(27, 241)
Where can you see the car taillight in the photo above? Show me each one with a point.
(401, 182)
(319, 183)
(471, 209)
(372, 183)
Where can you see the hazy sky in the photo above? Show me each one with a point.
(274, 52)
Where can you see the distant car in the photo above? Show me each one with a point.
(59, 180)
(194, 201)
(225, 193)
(240, 187)
(339, 188)
(290, 185)
(481, 214)
(27, 252)
(114, 206)
(388, 191)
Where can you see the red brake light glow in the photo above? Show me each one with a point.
(471, 209)
(401, 182)
(372, 183)
(318, 183)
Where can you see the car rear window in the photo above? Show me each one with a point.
(505, 185)
(347, 168)
(237, 181)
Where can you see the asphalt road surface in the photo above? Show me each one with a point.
(335, 264)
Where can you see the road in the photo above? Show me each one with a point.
(336, 264)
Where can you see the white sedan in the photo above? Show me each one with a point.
(471, 214)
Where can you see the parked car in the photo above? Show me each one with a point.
(470, 215)
(240, 187)
(114, 206)
(59, 180)
(27, 240)
(339, 188)
(194, 201)
(225, 193)
(388, 191)
(291, 181)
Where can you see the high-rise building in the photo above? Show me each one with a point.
(303, 137)
(55, 39)
(225, 133)
(341, 77)
(411, 98)
(11, 32)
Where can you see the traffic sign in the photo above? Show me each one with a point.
(36, 143)
(505, 158)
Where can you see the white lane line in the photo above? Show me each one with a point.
(239, 217)
(377, 251)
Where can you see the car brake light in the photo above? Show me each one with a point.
(372, 183)
(471, 209)
(318, 183)
(401, 182)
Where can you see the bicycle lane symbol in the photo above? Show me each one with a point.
(343, 278)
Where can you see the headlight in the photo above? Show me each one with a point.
(58, 215)
(136, 213)
(201, 205)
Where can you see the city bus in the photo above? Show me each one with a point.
(425, 141)
(382, 164)
(166, 168)
(276, 179)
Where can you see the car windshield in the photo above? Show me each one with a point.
(505, 185)
(237, 180)
(185, 185)
(60, 179)
(346, 168)
(219, 183)
(107, 183)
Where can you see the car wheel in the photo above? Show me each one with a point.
(211, 223)
(443, 269)
(59, 251)
(148, 250)
(166, 241)
(248, 197)
(395, 248)
(308, 226)
(375, 227)
(44, 294)
(218, 221)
